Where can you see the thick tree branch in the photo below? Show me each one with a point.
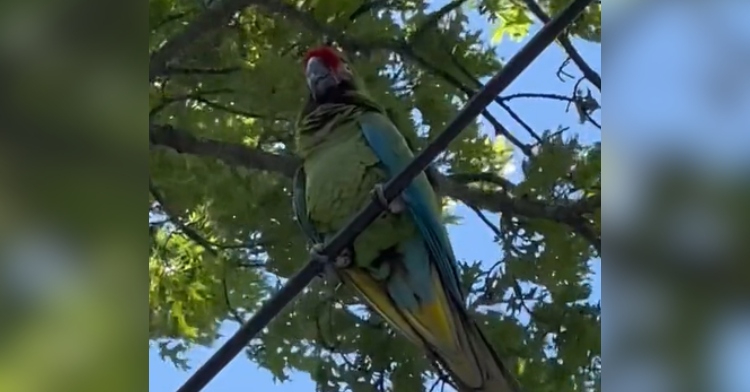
(434, 18)
(171, 18)
(368, 6)
(570, 50)
(492, 178)
(231, 154)
(237, 155)
(211, 19)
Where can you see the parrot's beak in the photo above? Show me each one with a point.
(320, 78)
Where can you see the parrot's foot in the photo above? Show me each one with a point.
(343, 260)
(397, 206)
(330, 275)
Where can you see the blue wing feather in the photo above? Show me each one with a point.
(299, 207)
(392, 150)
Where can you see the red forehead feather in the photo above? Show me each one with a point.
(325, 53)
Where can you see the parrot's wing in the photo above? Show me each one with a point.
(430, 172)
(411, 142)
(392, 150)
(299, 207)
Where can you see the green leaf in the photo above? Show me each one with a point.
(513, 22)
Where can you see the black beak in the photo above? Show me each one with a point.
(320, 78)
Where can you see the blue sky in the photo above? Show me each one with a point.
(673, 75)
(472, 240)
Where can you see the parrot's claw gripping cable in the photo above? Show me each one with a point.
(395, 207)
(343, 260)
(317, 255)
(331, 276)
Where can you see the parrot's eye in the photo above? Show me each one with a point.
(344, 67)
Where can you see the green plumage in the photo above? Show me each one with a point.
(343, 170)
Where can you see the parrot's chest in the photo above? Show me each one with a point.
(340, 177)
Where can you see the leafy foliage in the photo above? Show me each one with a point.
(220, 220)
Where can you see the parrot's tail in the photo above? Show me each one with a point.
(473, 365)
(443, 327)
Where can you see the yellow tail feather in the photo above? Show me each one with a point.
(440, 328)
(375, 295)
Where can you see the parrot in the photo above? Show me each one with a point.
(403, 265)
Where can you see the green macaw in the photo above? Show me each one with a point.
(403, 265)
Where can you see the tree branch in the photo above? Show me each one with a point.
(492, 178)
(200, 71)
(556, 97)
(170, 18)
(479, 85)
(184, 142)
(235, 111)
(367, 7)
(526, 149)
(231, 154)
(434, 18)
(195, 95)
(189, 232)
(184, 228)
(570, 50)
(212, 19)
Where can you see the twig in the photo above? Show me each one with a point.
(469, 92)
(520, 121)
(477, 84)
(184, 228)
(570, 50)
(211, 19)
(367, 7)
(171, 18)
(195, 95)
(553, 135)
(517, 290)
(592, 121)
(232, 310)
(434, 18)
(173, 70)
(556, 97)
(231, 110)
(488, 223)
(561, 71)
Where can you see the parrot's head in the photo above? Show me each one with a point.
(327, 73)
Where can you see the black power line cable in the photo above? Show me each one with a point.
(392, 189)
